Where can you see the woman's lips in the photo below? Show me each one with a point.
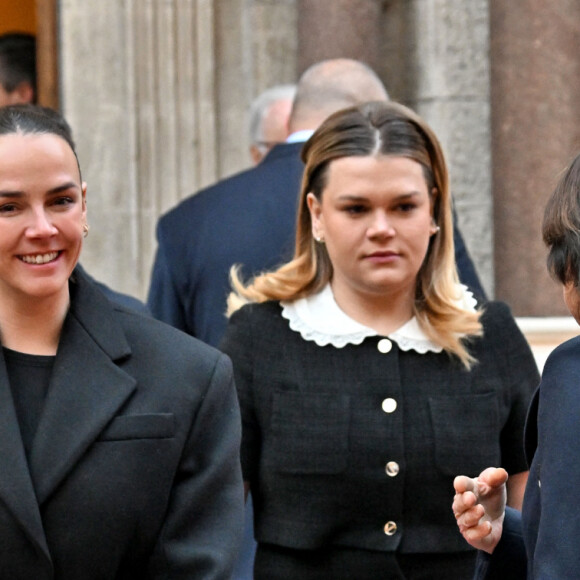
(382, 256)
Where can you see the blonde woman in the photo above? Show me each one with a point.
(363, 366)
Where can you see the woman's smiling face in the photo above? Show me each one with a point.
(42, 214)
(375, 216)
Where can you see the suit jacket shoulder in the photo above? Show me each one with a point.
(281, 167)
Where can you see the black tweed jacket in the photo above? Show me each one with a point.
(356, 447)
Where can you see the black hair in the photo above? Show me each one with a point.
(36, 120)
(561, 227)
(17, 60)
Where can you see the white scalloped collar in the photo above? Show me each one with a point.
(318, 318)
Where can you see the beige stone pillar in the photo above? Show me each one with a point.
(433, 56)
(535, 75)
(256, 47)
(157, 93)
(339, 28)
(451, 78)
(139, 95)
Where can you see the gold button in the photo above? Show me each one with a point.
(392, 468)
(389, 405)
(384, 345)
(390, 528)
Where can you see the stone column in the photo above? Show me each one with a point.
(339, 28)
(535, 76)
(157, 93)
(432, 56)
(256, 48)
(139, 94)
(448, 44)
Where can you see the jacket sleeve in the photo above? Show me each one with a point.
(555, 471)
(164, 300)
(508, 561)
(203, 528)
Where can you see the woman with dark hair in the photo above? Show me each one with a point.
(550, 520)
(120, 435)
(363, 366)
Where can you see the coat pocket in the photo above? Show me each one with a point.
(309, 433)
(467, 433)
(144, 426)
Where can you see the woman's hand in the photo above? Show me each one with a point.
(479, 507)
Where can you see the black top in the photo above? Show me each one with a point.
(29, 376)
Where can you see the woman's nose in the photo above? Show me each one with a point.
(380, 225)
(41, 225)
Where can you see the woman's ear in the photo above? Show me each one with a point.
(315, 209)
(84, 194)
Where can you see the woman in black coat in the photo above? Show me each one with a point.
(363, 366)
(120, 435)
(549, 525)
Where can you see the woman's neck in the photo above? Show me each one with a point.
(384, 313)
(33, 326)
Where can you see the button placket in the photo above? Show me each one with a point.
(389, 405)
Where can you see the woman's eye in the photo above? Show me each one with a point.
(406, 207)
(7, 208)
(65, 200)
(355, 209)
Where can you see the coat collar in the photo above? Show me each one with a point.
(283, 150)
(87, 388)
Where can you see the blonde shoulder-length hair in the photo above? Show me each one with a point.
(355, 132)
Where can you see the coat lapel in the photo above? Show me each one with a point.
(16, 489)
(86, 389)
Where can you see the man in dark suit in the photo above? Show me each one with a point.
(249, 218)
(269, 114)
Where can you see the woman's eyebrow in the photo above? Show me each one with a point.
(58, 189)
(64, 187)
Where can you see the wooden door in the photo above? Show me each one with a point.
(37, 17)
(47, 53)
